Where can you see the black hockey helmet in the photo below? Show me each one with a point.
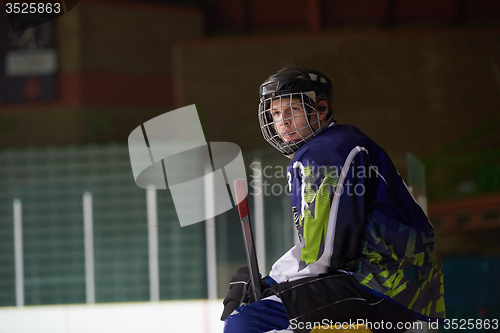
(307, 85)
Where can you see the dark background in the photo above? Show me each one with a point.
(419, 76)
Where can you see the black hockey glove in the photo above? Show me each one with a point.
(237, 287)
(241, 291)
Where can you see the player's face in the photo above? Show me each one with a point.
(291, 120)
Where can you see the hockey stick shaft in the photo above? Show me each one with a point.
(246, 227)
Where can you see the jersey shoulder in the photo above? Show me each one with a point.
(333, 145)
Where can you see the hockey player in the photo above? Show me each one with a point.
(366, 252)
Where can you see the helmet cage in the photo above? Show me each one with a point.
(268, 124)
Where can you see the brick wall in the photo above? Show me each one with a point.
(224, 16)
(411, 90)
(115, 72)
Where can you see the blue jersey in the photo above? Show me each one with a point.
(354, 213)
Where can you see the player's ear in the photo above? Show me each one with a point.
(322, 109)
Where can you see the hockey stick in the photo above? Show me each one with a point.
(244, 211)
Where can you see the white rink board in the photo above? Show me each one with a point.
(149, 317)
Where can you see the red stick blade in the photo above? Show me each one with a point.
(241, 197)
